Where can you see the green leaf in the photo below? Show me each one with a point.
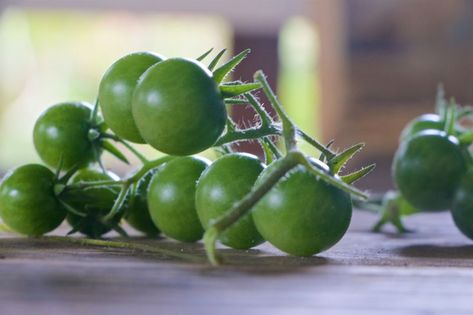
(214, 62)
(108, 146)
(202, 57)
(356, 175)
(225, 69)
(231, 90)
(339, 160)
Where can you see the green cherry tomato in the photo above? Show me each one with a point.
(94, 202)
(28, 204)
(171, 198)
(423, 122)
(137, 213)
(178, 108)
(116, 90)
(224, 183)
(427, 169)
(302, 215)
(61, 132)
(462, 207)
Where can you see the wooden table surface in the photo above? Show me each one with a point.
(427, 272)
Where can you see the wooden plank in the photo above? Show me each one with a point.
(428, 272)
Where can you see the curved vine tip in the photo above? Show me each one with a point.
(210, 238)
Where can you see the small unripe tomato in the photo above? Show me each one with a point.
(178, 108)
(171, 198)
(224, 183)
(28, 204)
(116, 90)
(302, 215)
(62, 132)
(427, 169)
(95, 202)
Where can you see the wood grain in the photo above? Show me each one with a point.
(427, 272)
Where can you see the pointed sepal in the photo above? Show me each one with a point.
(205, 54)
(215, 61)
(357, 175)
(221, 72)
(339, 160)
(110, 148)
(232, 90)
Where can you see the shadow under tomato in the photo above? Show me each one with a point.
(437, 251)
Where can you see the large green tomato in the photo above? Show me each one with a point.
(224, 183)
(94, 202)
(28, 204)
(116, 90)
(427, 169)
(61, 132)
(178, 108)
(302, 215)
(171, 198)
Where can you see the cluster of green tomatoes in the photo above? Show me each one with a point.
(433, 167)
(300, 204)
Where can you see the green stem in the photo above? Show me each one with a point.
(274, 149)
(259, 109)
(247, 134)
(125, 245)
(319, 146)
(288, 127)
(138, 154)
(117, 206)
(146, 167)
(95, 111)
(98, 184)
(244, 205)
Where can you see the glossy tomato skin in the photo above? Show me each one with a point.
(28, 204)
(171, 198)
(178, 108)
(137, 212)
(95, 202)
(462, 207)
(427, 168)
(224, 183)
(421, 123)
(62, 132)
(116, 90)
(302, 215)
